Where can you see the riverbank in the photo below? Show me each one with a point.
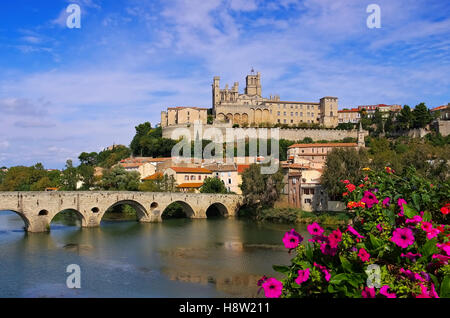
(297, 216)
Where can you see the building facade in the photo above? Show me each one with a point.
(183, 115)
(252, 109)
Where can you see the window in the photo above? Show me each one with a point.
(229, 173)
(199, 177)
(306, 191)
(296, 113)
(278, 113)
(301, 114)
(307, 107)
(192, 177)
(312, 114)
(278, 121)
(284, 113)
(229, 180)
(186, 177)
(292, 121)
(284, 121)
(308, 114)
(308, 201)
(292, 114)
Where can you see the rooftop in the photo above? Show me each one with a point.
(190, 170)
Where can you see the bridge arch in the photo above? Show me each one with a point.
(25, 220)
(80, 217)
(141, 211)
(186, 208)
(217, 209)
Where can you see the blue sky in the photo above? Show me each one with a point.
(64, 91)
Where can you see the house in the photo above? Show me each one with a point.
(188, 178)
(228, 174)
(305, 190)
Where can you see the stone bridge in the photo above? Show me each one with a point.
(37, 209)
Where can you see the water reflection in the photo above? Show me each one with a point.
(176, 258)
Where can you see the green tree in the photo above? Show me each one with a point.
(261, 190)
(342, 164)
(213, 185)
(89, 159)
(162, 183)
(405, 118)
(69, 177)
(118, 179)
(421, 116)
(86, 173)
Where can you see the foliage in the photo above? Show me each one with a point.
(401, 236)
(213, 185)
(106, 158)
(118, 179)
(69, 177)
(260, 190)
(341, 164)
(148, 142)
(162, 183)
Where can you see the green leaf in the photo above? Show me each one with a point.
(428, 249)
(409, 211)
(337, 279)
(376, 243)
(445, 288)
(281, 269)
(346, 265)
(427, 216)
(415, 198)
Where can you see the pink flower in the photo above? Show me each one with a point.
(327, 249)
(444, 247)
(415, 219)
(427, 294)
(380, 227)
(403, 237)
(386, 201)
(384, 292)
(363, 255)
(369, 199)
(346, 182)
(292, 239)
(303, 276)
(411, 256)
(334, 238)
(315, 229)
(272, 288)
(354, 232)
(400, 203)
(433, 233)
(427, 226)
(324, 270)
(368, 292)
(442, 258)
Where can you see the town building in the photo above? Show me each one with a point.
(188, 178)
(228, 174)
(349, 116)
(443, 111)
(251, 109)
(183, 115)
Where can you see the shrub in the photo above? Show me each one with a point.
(395, 247)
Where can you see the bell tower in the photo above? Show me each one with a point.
(253, 84)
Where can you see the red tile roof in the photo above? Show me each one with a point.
(242, 168)
(153, 176)
(190, 185)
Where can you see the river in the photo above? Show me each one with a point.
(175, 258)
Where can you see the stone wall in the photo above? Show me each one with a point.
(288, 134)
(444, 127)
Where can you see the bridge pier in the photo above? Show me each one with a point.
(37, 225)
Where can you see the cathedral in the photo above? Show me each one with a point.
(251, 109)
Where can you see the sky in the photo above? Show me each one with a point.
(68, 90)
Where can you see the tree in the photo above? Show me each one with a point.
(89, 159)
(213, 185)
(118, 179)
(343, 164)
(70, 177)
(163, 183)
(86, 173)
(261, 190)
(421, 116)
(405, 118)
